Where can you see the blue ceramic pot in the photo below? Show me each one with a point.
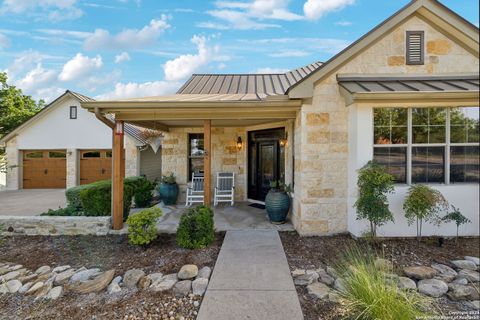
(277, 204)
(168, 193)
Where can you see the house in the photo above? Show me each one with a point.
(64, 145)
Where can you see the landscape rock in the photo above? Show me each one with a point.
(42, 270)
(474, 304)
(13, 286)
(46, 276)
(10, 276)
(131, 277)
(113, 287)
(182, 288)
(298, 272)
(61, 269)
(4, 270)
(420, 272)
(54, 293)
(309, 277)
(475, 260)
(25, 287)
(432, 287)
(165, 283)
(319, 290)
(144, 282)
(43, 291)
(36, 286)
(62, 278)
(324, 277)
(27, 278)
(16, 267)
(85, 275)
(332, 272)
(339, 285)
(199, 286)
(461, 292)
(3, 288)
(117, 280)
(444, 272)
(155, 276)
(97, 284)
(471, 276)
(406, 283)
(383, 264)
(465, 264)
(463, 281)
(188, 271)
(205, 273)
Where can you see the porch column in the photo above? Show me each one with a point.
(207, 126)
(117, 175)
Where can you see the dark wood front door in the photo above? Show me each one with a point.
(265, 162)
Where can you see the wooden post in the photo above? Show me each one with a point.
(207, 135)
(117, 176)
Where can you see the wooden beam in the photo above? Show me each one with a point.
(117, 175)
(207, 131)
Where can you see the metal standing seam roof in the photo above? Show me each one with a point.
(363, 84)
(246, 86)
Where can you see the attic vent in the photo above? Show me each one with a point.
(415, 40)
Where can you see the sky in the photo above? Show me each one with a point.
(130, 48)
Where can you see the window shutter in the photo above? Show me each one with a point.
(415, 51)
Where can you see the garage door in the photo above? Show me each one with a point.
(44, 169)
(95, 165)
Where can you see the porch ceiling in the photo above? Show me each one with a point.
(161, 125)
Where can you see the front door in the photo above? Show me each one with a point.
(265, 162)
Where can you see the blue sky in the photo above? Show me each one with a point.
(125, 48)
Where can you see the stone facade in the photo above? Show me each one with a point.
(72, 168)
(132, 158)
(322, 126)
(13, 165)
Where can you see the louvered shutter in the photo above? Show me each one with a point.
(415, 53)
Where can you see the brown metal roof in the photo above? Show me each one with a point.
(249, 86)
(385, 84)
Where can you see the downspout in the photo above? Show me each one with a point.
(102, 118)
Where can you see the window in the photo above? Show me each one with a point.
(428, 145)
(196, 152)
(414, 47)
(73, 112)
(91, 154)
(57, 154)
(34, 155)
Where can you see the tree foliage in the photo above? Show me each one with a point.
(374, 184)
(457, 217)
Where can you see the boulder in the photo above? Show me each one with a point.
(97, 284)
(131, 277)
(309, 277)
(155, 276)
(444, 272)
(43, 270)
(164, 283)
(464, 264)
(420, 272)
(25, 287)
(324, 277)
(113, 288)
(182, 288)
(406, 283)
(144, 282)
(461, 292)
(318, 290)
(339, 285)
(199, 286)
(432, 287)
(13, 285)
(471, 276)
(61, 269)
(34, 288)
(85, 275)
(54, 293)
(63, 277)
(383, 264)
(188, 271)
(475, 260)
(205, 273)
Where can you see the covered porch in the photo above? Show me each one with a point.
(225, 123)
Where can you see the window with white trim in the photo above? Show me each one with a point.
(428, 145)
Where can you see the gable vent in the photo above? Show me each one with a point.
(415, 40)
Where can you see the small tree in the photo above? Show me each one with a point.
(374, 183)
(458, 218)
(423, 203)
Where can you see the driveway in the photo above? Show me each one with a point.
(30, 202)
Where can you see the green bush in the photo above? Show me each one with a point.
(73, 196)
(370, 295)
(196, 228)
(61, 212)
(142, 226)
(143, 193)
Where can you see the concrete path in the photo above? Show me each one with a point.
(31, 202)
(251, 280)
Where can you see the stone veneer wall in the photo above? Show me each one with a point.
(72, 167)
(132, 158)
(14, 161)
(321, 129)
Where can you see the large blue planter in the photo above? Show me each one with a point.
(277, 204)
(168, 193)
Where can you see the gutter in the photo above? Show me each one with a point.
(102, 118)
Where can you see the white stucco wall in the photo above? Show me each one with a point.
(463, 196)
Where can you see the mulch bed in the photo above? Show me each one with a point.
(107, 252)
(315, 252)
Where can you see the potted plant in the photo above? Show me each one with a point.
(277, 202)
(168, 189)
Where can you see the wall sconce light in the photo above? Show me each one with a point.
(239, 143)
(284, 141)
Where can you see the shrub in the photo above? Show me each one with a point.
(374, 183)
(61, 212)
(457, 217)
(169, 179)
(73, 196)
(369, 294)
(423, 203)
(143, 193)
(196, 228)
(142, 226)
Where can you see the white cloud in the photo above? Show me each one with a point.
(53, 10)
(4, 41)
(122, 57)
(80, 66)
(36, 78)
(320, 45)
(343, 23)
(25, 61)
(315, 9)
(128, 38)
(82, 35)
(236, 20)
(133, 90)
(289, 54)
(270, 70)
(184, 65)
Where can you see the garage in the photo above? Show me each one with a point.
(44, 169)
(95, 165)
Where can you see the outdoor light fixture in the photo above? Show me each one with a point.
(239, 143)
(283, 142)
(119, 128)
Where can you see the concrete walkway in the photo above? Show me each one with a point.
(251, 280)
(31, 202)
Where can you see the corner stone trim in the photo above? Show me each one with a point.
(55, 226)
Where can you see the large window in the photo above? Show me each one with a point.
(428, 145)
(196, 152)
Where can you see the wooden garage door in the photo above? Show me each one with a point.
(44, 169)
(95, 165)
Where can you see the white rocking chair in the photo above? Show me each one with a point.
(195, 191)
(225, 188)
